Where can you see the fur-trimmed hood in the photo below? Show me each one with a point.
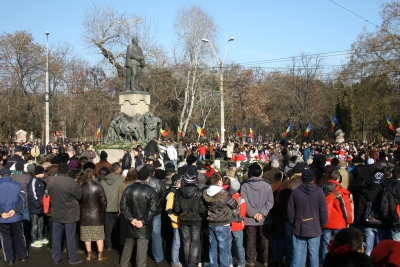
(214, 193)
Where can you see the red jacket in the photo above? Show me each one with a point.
(210, 171)
(339, 205)
(237, 226)
(202, 150)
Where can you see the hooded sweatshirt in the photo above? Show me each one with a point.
(111, 184)
(258, 195)
(307, 210)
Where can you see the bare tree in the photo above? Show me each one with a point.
(109, 31)
(191, 25)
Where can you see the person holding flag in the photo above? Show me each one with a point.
(217, 136)
(98, 134)
(308, 129)
(180, 132)
(251, 135)
(289, 128)
(236, 130)
(389, 123)
(199, 130)
(163, 132)
(334, 122)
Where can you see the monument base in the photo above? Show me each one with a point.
(135, 102)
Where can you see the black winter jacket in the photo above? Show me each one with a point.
(189, 206)
(139, 202)
(374, 195)
(391, 197)
(35, 195)
(220, 206)
(161, 193)
(126, 161)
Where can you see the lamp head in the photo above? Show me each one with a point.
(231, 39)
(47, 33)
(205, 40)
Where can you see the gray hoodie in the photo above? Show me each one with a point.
(111, 184)
(259, 198)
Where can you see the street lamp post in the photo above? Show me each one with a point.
(221, 85)
(47, 93)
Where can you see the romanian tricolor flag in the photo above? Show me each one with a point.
(308, 129)
(334, 122)
(389, 123)
(98, 134)
(217, 136)
(286, 133)
(199, 130)
(239, 133)
(180, 132)
(163, 132)
(251, 135)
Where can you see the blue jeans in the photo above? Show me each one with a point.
(174, 161)
(326, 237)
(156, 240)
(238, 237)
(288, 243)
(372, 238)
(395, 234)
(176, 245)
(202, 157)
(304, 245)
(220, 239)
(278, 248)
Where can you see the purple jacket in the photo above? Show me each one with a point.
(259, 198)
(307, 210)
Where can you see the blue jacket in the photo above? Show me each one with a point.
(307, 210)
(306, 154)
(11, 198)
(35, 195)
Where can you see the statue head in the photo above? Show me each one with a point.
(135, 40)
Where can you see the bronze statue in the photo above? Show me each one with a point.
(134, 63)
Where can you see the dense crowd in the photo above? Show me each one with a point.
(204, 204)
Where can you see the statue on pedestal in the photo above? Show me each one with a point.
(134, 63)
(339, 136)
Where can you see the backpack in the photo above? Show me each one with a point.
(46, 202)
(236, 211)
(371, 214)
(330, 200)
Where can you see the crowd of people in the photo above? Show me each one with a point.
(277, 203)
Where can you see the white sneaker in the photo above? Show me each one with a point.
(37, 244)
(44, 241)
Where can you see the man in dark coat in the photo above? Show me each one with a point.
(152, 148)
(308, 213)
(138, 204)
(16, 158)
(126, 160)
(64, 195)
(390, 200)
(11, 207)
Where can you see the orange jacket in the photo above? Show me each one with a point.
(237, 226)
(202, 150)
(339, 206)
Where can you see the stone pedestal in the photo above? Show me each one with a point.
(135, 102)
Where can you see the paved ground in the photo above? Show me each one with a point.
(39, 257)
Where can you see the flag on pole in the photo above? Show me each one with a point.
(217, 136)
(308, 129)
(289, 128)
(389, 123)
(334, 122)
(251, 135)
(199, 130)
(163, 132)
(180, 132)
(239, 133)
(98, 134)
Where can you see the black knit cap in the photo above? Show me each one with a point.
(307, 176)
(143, 172)
(191, 159)
(39, 170)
